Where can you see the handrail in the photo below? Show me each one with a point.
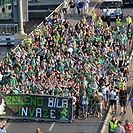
(8, 24)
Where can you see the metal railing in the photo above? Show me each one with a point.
(9, 28)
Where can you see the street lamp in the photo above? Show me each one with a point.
(21, 27)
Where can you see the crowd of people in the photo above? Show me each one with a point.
(76, 6)
(86, 61)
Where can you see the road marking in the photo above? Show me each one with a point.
(51, 127)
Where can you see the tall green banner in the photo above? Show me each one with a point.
(39, 107)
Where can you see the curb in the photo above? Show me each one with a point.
(103, 125)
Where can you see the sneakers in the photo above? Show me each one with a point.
(88, 115)
(78, 117)
(101, 115)
(113, 112)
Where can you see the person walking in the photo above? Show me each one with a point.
(112, 124)
(93, 15)
(72, 7)
(123, 99)
(84, 100)
(64, 6)
(118, 21)
(129, 35)
(77, 6)
(113, 97)
(107, 15)
(81, 5)
(86, 7)
(92, 18)
(128, 21)
(100, 22)
(77, 108)
(98, 97)
(128, 126)
(117, 13)
(119, 128)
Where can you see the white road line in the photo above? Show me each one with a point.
(51, 127)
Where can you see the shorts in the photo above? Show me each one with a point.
(64, 10)
(105, 98)
(81, 9)
(123, 103)
(99, 107)
(72, 10)
(112, 102)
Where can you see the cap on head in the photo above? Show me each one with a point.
(127, 120)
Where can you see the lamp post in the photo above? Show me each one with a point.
(21, 28)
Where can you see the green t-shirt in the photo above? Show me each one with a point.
(99, 98)
(14, 81)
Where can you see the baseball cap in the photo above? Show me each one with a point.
(127, 120)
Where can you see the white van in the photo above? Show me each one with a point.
(111, 5)
(7, 40)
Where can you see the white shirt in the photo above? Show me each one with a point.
(104, 90)
(74, 100)
(70, 50)
(64, 4)
(112, 94)
(1, 76)
(87, 1)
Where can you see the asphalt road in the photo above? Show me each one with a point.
(91, 125)
(78, 126)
